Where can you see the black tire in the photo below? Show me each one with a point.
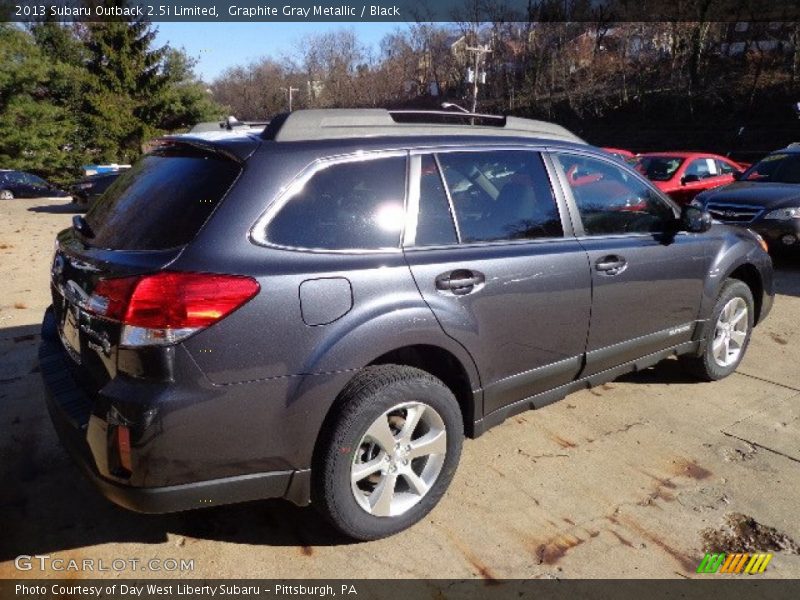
(370, 394)
(705, 366)
(6, 195)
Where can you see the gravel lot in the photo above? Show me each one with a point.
(618, 481)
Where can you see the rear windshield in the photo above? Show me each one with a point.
(658, 168)
(163, 201)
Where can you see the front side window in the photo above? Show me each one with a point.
(612, 200)
(500, 195)
(726, 168)
(34, 180)
(702, 168)
(346, 206)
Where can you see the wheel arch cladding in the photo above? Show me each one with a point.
(736, 257)
(443, 365)
(749, 275)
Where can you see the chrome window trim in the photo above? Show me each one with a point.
(413, 181)
(494, 147)
(451, 207)
(257, 233)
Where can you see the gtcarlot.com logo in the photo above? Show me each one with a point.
(740, 563)
(44, 562)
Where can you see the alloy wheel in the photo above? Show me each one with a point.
(398, 459)
(730, 333)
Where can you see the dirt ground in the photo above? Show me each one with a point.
(618, 481)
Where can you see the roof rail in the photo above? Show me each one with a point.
(343, 123)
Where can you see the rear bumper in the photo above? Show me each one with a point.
(70, 409)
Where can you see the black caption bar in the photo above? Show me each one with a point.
(401, 10)
(704, 588)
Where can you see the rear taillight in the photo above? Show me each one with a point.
(165, 308)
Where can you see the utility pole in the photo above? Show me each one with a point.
(479, 52)
(290, 90)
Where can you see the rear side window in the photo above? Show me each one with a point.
(347, 206)
(162, 201)
(500, 195)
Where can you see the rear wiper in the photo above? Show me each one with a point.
(81, 225)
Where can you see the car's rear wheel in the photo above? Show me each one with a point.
(727, 333)
(389, 453)
(6, 195)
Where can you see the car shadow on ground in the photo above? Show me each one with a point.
(787, 274)
(58, 209)
(665, 372)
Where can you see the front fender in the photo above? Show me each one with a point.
(731, 248)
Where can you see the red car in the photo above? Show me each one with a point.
(683, 175)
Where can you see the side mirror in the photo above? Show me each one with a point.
(691, 178)
(694, 220)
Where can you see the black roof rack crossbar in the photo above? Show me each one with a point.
(448, 114)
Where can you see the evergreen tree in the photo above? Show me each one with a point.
(136, 90)
(124, 79)
(185, 100)
(38, 127)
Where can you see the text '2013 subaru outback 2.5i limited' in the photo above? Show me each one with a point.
(322, 311)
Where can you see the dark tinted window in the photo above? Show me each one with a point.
(778, 168)
(658, 168)
(162, 201)
(611, 199)
(34, 180)
(500, 195)
(357, 205)
(13, 177)
(435, 225)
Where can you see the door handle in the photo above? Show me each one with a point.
(611, 265)
(460, 282)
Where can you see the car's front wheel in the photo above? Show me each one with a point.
(390, 452)
(6, 195)
(727, 333)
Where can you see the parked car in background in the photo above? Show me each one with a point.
(683, 175)
(765, 198)
(19, 184)
(621, 154)
(87, 190)
(373, 290)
